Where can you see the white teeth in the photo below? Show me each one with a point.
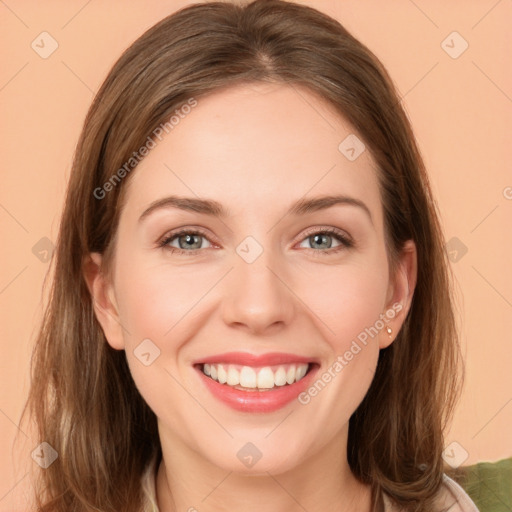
(291, 374)
(221, 374)
(233, 377)
(280, 377)
(263, 378)
(301, 371)
(266, 378)
(247, 377)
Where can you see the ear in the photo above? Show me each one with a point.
(103, 299)
(400, 292)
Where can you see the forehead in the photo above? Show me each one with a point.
(255, 145)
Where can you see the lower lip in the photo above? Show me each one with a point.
(257, 401)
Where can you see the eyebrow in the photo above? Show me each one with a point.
(215, 209)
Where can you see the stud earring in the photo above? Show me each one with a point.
(389, 331)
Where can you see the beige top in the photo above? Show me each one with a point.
(452, 498)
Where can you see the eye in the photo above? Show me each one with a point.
(189, 241)
(323, 239)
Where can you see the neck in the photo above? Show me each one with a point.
(188, 482)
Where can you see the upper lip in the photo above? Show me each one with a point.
(247, 359)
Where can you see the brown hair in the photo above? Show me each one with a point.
(82, 395)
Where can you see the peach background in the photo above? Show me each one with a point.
(460, 109)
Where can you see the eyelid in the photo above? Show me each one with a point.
(330, 230)
(346, 240)
(192, 230)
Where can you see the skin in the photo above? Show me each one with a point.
(256, 149)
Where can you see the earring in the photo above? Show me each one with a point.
(389, 331)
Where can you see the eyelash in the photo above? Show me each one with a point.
(346, 242)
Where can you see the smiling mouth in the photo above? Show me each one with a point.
(249, 378)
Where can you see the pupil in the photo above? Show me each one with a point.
(189, 240)
(320, 237)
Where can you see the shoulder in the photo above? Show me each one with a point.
(452, 498)
(453, 495)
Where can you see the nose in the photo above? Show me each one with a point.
(257, 297)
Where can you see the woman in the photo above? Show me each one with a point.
(251, 307)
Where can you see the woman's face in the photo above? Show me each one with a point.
(261, 279)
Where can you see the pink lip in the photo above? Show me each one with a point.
(246, 359)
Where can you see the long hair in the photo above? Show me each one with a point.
(82, 396)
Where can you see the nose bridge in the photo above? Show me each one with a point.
(256, 295)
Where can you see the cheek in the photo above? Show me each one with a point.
(349, 300)
(346, 298)
(168, 304)
(157, 303)
(155, 299)
(350, 306)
